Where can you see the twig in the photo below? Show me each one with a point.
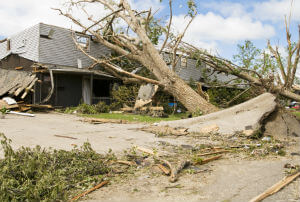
(209, 159)
(74, 138)
(90, 190)
(129, 163)
(276, 187)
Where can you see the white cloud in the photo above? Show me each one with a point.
(275, 10)
(16, 15)
(214, 27)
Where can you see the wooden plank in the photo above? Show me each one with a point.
(276, 187)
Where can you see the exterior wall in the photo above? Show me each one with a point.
(191, 71)
(25, 44)
(13, 61)
(61, 50)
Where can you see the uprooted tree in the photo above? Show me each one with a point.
(138, 33)
(134, 40)
(277, 77)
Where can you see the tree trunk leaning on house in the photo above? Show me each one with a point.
(139, 47)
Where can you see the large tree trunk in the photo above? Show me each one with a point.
(172, 83)
(189, 98)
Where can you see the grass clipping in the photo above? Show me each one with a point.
(36, 174)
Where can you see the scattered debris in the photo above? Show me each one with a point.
(90, 190)
(276, 187)
(209, 129)
(21, 113)
(210, 153)
(101, 121)
(166, 130)
(74, 138)
(174, 172)
(266, 139)
(164, 169)
(19, 82)
(129, 163)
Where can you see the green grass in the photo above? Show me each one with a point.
(134, 117)
(297, 114)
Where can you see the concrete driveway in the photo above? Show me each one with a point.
(41, 130)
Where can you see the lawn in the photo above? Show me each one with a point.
(297, 115)
(135, 117)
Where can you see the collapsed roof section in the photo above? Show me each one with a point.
(15, 83)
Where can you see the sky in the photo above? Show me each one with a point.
(219, 25)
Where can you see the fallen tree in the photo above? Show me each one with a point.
(136, 41)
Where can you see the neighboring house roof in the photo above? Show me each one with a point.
(35, 44)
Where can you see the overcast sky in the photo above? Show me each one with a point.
(219, 26)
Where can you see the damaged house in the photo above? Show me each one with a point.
(42, 64)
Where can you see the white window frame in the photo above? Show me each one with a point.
(84, 41)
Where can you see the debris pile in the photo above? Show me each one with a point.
(16, 83)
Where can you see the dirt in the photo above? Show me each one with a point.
(239, 175)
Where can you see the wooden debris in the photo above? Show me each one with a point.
(174, 186)
(18, 68)
(129, 163)
(164, 169)
(21, 113)
(276, 187)
(101, 121)
(36, 106)
(148, 151)
(210, 159)
(210, 153)
(90, 190)
(166, 130)
(174, 173)
(74, 138)
(7, 106)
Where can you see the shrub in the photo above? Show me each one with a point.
(101, 107)
(86, 109)
(124, 95)
(36, 174)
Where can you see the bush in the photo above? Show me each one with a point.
(86, 109)
(101, 107)
(35, 174)
(124, 95)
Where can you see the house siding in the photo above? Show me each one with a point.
(25, 44)
(61, 49)
(191, 71)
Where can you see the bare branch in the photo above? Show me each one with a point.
(279, 61)
(168, 28)
(97, 22)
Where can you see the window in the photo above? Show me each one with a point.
(83, 41)
(183, 62)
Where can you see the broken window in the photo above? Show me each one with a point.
(83, 41)
(183, 62)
